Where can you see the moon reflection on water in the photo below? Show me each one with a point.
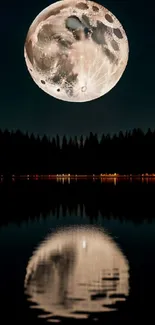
(76, 271)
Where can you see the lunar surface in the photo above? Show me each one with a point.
(75, 272)
(76, 50)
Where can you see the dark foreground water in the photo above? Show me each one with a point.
(77, 253)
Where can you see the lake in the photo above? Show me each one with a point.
(82, 252)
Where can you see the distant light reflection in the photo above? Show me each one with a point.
(66, 280)
(115, 181)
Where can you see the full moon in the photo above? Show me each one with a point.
(76, 50)
(76, 272)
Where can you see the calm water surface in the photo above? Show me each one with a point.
(64, 265)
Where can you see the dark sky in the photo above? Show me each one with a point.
(131, 103)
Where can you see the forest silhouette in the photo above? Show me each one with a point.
(131, 152)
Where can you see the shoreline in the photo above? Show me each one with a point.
(75, 176)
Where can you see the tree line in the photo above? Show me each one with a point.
(123, 153)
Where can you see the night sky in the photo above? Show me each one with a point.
(131, 103)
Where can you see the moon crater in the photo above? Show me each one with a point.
(72, 43)
(109, 18)
(82, 6)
